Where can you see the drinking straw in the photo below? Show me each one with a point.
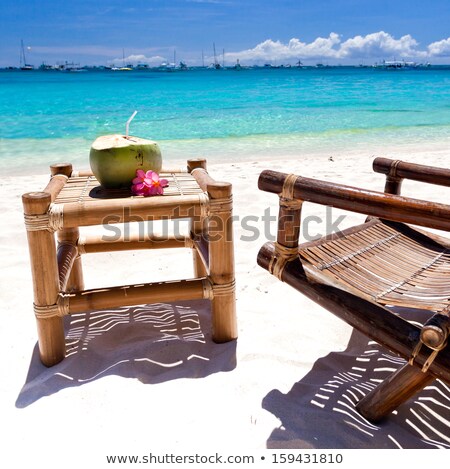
(128, 122)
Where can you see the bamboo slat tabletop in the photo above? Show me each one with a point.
(84, 189)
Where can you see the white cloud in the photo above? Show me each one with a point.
(379, 44)
(321, 47)
(139, 58)
(372, 46)
(440, 48)
(294, 49)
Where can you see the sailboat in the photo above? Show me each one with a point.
(167, 66)
(216, 64)
(181, 65)
(23, 61)
(123, 68)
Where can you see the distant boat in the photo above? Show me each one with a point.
(166, 67)
(124, 68)
(400, 65)
(216, 65)
(71, 67)
(46, 67)
(23, 60)
(396, 65)
(172, 66)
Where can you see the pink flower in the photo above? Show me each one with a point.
(138, 187)
(148, 184)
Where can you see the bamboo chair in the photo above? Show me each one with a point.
(359, 273)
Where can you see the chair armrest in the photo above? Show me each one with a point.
(396, 171)
(354, 199)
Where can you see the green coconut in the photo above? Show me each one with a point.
(114, 159)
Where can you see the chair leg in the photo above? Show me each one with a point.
(392, 392)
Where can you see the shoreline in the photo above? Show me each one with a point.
(42, 153)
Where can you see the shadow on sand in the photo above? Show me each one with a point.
(319, 411)
(151, 343)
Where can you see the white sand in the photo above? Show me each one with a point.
(123, 390)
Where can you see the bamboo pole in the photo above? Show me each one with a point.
(416, 172)
(221, 261)
(75, 281)
(61, 168)
(66, 169)
(55, 185)
(93, 244)
(132, 209)
(202, 248)
(70, 268)
(130, 295)
(203, 178)
(393, 184)
(289, 217)
(60, 173)
(195, 163)
(66, 255)
(82, 173)
(374, 321)
(436, 330)
(378, 204)
(289, 226)
(197, 224)
(392, 392)
(199, 261)
(44, 269)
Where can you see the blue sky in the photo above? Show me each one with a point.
(337, 31)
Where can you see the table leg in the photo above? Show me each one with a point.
(44, 268)
(221, 261)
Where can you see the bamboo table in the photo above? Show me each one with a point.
(75, 199)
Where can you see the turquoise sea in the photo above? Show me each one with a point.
(223, 115)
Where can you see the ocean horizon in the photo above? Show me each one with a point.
(223, 115)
